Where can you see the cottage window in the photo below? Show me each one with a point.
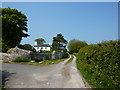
(45, 47)
(37, 47)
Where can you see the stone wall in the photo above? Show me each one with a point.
(57, 55)
(16, 52)
(5, 56)
(41, 56)
(47, 56)
(21, 52)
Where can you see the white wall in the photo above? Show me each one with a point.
(35, 43)
(43, 48)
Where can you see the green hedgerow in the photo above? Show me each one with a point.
(99, 64)
(21, 60)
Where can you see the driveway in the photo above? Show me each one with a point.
(48, 76)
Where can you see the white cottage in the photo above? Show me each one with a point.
(43, 47)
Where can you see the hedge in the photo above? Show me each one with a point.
(99, 64)
(21, 60)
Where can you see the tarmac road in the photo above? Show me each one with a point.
(48, 76)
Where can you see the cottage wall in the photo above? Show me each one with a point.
(42, 48)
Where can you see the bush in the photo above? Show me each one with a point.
(66, 55)
(42, 51)
(27, 47)
(75, 45)
(99, 64)
(38, 60)
(21, 60)
(33, 57)
(9, 51)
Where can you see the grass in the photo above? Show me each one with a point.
(70, 60)
(83, 67)
(1, 86)
(44, 62)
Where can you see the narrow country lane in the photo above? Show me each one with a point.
(48, 76)
(75, 80)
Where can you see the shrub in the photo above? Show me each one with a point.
(21, 60)
(33, 57)
(9, 51)
(75, 45)
(38, 60)
(99, 64)
(66, 55)
(42, 51)
(27, 47)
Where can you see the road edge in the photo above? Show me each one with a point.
(84, 81)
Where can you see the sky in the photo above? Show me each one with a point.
(92, 22)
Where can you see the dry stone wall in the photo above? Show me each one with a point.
(21, 52)
(5, 56)
(57, 55)
(47, 56)
(15, 52)
(41, 56)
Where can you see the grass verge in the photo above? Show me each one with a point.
(70, 60)
(2, 86)
(44, 62)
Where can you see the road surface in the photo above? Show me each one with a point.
(48, 76)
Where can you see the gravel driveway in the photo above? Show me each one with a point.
(48, 76)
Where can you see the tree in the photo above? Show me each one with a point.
(40, 41)
(74, 46)
(14, 23)
(27, 47)
(20, 46)
(59, 43)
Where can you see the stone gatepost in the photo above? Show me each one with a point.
(53, 55)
